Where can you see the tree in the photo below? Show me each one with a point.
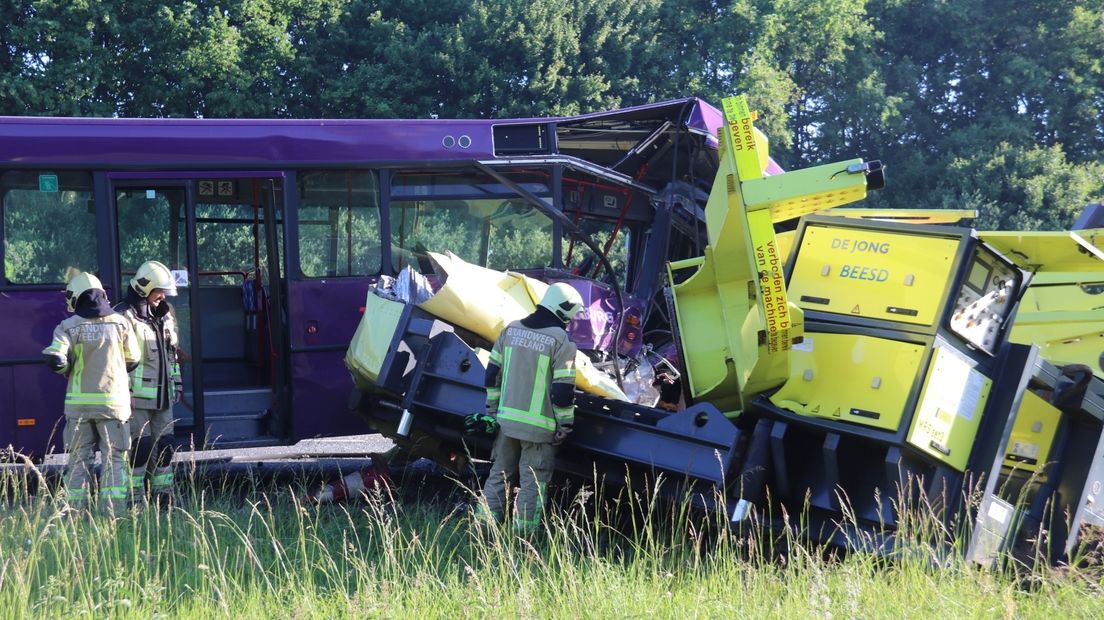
(17, 95)
(929, 88)
(1019, 188)
(968, 76)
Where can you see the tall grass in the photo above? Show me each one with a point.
(251, 550)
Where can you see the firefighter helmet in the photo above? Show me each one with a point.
(153, 275)
(563, 300)
(78, 285)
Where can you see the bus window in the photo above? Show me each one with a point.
(451, 213)
(230, 249)
(49, 226)
(151, 227)
(520, 236)
(339, 224)
(578, 257)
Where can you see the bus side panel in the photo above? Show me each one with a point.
(38, 419)
(7, 408)
(323, 314)
(35, 393)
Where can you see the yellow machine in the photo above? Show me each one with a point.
(890, 357)
(1063, 310)
(902, 326)
(735, 319)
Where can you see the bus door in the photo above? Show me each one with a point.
(220, 235)
(335, 251)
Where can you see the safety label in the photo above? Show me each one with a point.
(805, 345)
(772, 283)
(48, 183)
(740, 120)
(998, 511)
(1025, 450)
(962, 388)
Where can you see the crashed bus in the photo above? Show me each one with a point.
(275, 230)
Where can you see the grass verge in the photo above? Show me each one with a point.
(250, 550)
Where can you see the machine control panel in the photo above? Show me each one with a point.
(984, 300)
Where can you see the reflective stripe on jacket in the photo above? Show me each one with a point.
(531, 361)
(95, 353)
(157, 377)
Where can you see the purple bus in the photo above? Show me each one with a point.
(275, 229)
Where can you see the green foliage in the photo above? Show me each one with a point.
(1016, 188)
(931, 88)
(980, 81)
(339, 224)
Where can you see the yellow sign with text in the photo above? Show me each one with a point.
(872, 274)
(769, 264)
(748, 148)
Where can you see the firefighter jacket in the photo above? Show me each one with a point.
(532, 359)
(156, 379)
(94, 353)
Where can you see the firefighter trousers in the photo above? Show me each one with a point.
(150, 433)
(82, 437)
(526, 464)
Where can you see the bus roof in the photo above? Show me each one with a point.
(112, 143)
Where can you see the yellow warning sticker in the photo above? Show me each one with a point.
(741, 126)
(772, 281)
(736, 107)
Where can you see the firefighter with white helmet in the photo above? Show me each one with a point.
(94, 349)
(531, 396)
(155, 383)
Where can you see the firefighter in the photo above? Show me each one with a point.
(155, 384)
(531, 395)
(95, 349)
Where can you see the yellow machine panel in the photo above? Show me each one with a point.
(851, 378)
(950, 408)
(905, 216)
(785, 242)
(1063, 313)
(872, 274)
(1067, 293)
(1032, 433)
(1050, 251)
